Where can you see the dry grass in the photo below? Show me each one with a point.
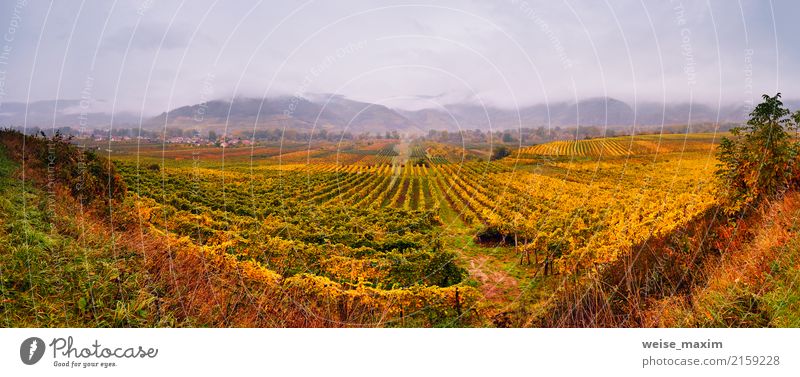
(710, 273)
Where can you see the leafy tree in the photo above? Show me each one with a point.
(760, 160)
(500, 152)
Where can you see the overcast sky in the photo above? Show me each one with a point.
(151, 56)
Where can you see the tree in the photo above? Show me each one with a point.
(500, 152)
(212, 136)
(760, 160)
(174, 132)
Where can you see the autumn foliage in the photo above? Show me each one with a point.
(760, 160)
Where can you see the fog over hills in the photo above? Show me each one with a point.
(337, 113)
(60, 113)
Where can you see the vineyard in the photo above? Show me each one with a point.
(378, 221)
(601, 147)
(412, 233)
(623, 146)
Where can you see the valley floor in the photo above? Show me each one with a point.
(398, 236)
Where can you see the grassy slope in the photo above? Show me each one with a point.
(715, 272)
(755, 285)
(55, 271)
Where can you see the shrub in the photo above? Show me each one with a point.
(760, 160)
(500, 152)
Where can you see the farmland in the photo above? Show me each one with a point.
(397, 217)
(379, 232)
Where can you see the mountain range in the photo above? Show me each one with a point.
(338, 113)
(60, 113)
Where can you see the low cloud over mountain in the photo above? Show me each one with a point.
(337, 113)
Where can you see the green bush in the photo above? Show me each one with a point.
(759, 161)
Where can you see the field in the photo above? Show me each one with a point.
(397, 217)
(624, 146)
(380, 232)
(383, 232)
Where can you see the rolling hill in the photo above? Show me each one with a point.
(340, 114)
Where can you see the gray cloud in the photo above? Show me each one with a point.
(146, 37)
(410, 55)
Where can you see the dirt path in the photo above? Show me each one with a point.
(494, 269)
(496, 285)
(403, 152)
(487, 266)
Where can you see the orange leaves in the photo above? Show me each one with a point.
(623, 146)
(355, 270)
(597, 215)
(321, 294)
(597, 147)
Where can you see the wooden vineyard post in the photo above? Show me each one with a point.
(458, 303)
(343, 314)
(527, 254)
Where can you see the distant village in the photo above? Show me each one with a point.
(173, 135)
(211, 138)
